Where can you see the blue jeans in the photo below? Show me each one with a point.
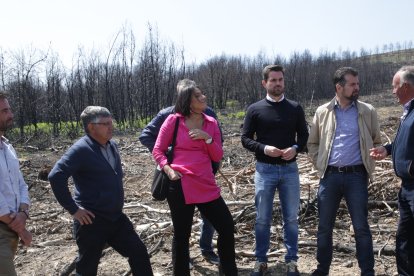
(405, 237)
(206, 235)
(284, 178)
(354, 188)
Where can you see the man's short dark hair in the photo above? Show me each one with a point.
(270, 68)
(339, 76)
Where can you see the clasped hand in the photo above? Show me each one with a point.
(285, 154)
(197, 134)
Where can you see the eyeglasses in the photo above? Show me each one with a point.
(107, 124)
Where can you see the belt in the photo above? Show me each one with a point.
(346, 169)
(278, 162)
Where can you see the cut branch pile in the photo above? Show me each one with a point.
(51, 225)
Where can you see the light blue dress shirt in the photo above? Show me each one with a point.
(346, 149)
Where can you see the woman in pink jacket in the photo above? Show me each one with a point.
(198, 143)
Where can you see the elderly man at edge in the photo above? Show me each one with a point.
(402, 151)
(95, 166)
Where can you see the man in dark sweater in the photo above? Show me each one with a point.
(95, 166)
(281, 132)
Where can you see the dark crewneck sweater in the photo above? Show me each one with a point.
(280, 124)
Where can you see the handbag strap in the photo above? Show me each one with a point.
(171, 156)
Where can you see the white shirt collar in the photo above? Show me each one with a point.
(3, 141)
(272, 100)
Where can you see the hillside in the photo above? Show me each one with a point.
(399, 56)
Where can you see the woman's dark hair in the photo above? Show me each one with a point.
(185, 90)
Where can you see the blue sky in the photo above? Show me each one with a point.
(208, 28)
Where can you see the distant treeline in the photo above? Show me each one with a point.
(135, 82)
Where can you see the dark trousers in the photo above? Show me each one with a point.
(217, 213)
(120, 235)
(405, 232)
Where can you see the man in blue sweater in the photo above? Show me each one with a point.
(402, 150)
(95, 166)
(275, 130)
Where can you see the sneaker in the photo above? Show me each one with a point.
(317, 272)
(211, 257)
(260, 269)
(292, 269)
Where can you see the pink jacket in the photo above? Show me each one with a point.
(192, 158)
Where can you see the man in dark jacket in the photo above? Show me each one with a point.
(147, 138)
(402, 151)
(95, 166)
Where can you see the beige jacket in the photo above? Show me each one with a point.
(322, 133)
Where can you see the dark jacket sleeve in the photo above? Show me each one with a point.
(58, 177)
(388, 147)
(210, 112)
(150, 132)
(248, 132)
(302, 130)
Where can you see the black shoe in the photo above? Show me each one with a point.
(292, 269)
(211, 257)
(221, 273)
(317, 272)
(260, 269)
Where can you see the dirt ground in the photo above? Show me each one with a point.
(53, 248)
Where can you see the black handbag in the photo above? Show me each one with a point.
(161, 182)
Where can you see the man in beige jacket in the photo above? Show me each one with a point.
(342, 133)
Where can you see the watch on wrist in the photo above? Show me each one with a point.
(209, 140)
(26, 212)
